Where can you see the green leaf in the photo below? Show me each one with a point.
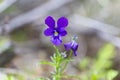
(105, 55)
(46, 62)
(94, 76)
(106, 52)
(9, 77)
(111, 74)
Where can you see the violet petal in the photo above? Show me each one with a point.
(62, 22)
(67, 46)
(74, 46)
(63, 33)
(56, 40)
(75, 53)
(48, 32)
(49, 21)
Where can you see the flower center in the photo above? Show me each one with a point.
(55, 33)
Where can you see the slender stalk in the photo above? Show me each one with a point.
(57, 73)
(59, 60)
(69, 57)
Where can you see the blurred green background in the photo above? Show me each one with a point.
(23, 44)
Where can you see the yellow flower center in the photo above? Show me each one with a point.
(56, 33)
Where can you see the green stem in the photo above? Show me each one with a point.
(58, 61)
(69, 57)
(57, 74)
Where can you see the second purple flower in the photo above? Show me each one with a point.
(73, 45)
(56, 32)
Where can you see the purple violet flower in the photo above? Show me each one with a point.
(73, 45)
(56, 32)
